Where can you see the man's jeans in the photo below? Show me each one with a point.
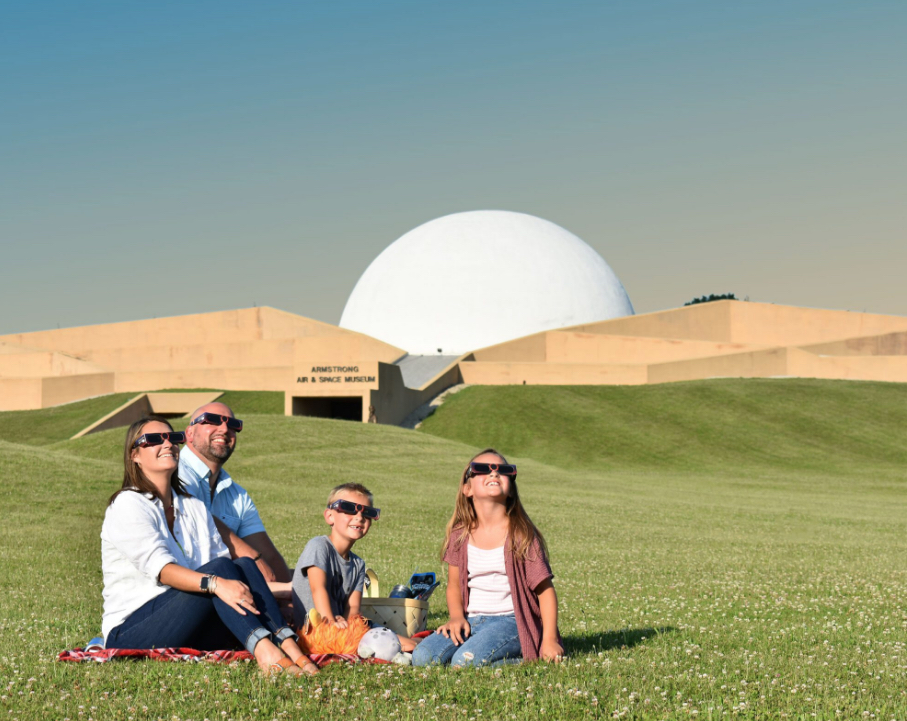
(204, 622)
(492, 640)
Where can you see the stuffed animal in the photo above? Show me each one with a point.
(382, 643)
(318, 635)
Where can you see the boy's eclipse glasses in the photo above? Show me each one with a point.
(483, 469)
(351, 509)
(157, 439)
(216, 419)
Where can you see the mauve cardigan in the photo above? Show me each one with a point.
(524, 577)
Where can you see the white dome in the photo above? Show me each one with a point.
(470, 280)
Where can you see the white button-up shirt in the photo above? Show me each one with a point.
(136, 544)
(231, 504)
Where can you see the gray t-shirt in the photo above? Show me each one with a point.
(343, 577)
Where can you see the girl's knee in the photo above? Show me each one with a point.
(432, 650)
(467, 658)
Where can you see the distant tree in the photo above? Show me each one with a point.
(712, 296)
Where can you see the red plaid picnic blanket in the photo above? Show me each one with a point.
(102, 655)
(190, 654)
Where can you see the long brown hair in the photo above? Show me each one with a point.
(133, 477)
(521, 530)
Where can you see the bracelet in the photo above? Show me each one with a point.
(255, 558)
(212, 586)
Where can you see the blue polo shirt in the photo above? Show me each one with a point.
(231, 505)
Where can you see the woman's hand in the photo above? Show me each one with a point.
(236, 595)
(456, 629)
(340, 621)
(551, 650)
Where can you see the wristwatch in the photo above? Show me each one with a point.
(203, 585)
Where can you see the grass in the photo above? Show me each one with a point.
(52, 425)
(747, 561)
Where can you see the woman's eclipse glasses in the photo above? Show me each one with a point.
(351, 509)
(157, 439)
(216, 419)
(483, 469)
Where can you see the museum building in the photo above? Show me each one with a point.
(483, 297)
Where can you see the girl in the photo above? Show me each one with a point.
(168, 577)
(499, 593)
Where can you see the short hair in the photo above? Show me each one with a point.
(350, 488)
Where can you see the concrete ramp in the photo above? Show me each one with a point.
(168, 405)
(418, 370)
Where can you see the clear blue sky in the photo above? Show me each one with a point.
(172, 157)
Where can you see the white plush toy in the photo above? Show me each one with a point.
(383, 643)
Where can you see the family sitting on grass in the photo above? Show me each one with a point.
(187, 561)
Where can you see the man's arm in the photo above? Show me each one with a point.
(262, 544)
(240, 548)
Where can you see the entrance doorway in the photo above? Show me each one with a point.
(340, 408)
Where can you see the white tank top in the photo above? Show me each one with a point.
(489, 588)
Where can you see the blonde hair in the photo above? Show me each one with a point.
(350, 488)
(521, 530)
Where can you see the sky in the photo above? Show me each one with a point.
(167, 158)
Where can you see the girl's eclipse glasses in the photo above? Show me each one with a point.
(351, 509)
(216, 419)
(483, 469)
(157, 439)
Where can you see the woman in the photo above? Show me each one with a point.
(168, 577)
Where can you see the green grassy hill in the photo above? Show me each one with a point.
(734, 548)
(51, 425)
(717, 425)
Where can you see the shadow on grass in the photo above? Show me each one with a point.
(628, 637)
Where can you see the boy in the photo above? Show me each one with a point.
(329, 577)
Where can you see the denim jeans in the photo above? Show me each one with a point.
(492, 640)
(204, 622)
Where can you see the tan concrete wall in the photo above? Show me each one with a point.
(704, 321)
(344, 349)
(20, 394)
(532, 348)
(245, 354)
(775, 325)
(66, 389)
(552, 374)
(862, 368)
(754, 364)
(224, 326)
(37, 364)
(567, 347)
(888, 344)
(228, 379)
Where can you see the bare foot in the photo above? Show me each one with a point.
(408, 644)
(272, 661)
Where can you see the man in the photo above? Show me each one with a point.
(210, 441)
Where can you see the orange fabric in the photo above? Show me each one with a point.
(325, 637)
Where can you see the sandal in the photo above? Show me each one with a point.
(281, 666)
(308, 666)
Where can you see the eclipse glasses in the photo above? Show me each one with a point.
(216, 419)
(351, 509)
(483, 469)
(157, 439)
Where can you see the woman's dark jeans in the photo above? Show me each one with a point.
(204, 622)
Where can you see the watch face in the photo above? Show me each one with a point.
(204, 584)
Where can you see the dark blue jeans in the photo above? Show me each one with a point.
(204, 622)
